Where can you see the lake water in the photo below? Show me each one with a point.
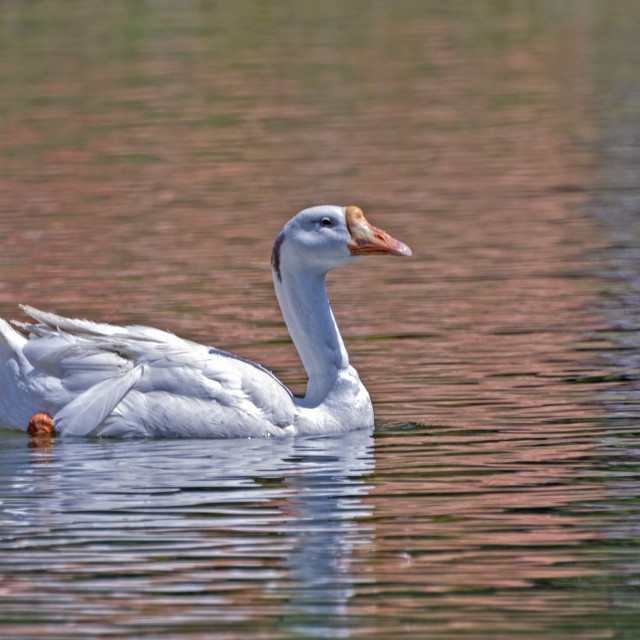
(150, 153)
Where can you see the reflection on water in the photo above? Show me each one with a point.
(148, 157)
(239, 527)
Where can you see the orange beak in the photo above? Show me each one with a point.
(367, 240)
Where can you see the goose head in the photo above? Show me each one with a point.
(321, 238)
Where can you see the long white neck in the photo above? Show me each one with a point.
(305, 307)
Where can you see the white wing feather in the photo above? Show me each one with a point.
(84, 414)
(102, 379)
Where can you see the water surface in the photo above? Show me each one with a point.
(149, 155)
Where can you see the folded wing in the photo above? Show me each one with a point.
(100, 379)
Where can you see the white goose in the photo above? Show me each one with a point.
(90, 379)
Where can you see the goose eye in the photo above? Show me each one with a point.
(326, 222)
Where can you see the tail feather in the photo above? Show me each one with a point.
(15, 398)
(11, 345)
(52, 322)
(48, 323)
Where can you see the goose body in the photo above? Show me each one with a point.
(104, 380)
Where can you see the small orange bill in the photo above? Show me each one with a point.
(367, 240)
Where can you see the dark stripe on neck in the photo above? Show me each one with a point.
(275, 255)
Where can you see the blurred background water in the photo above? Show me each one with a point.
(149, 154)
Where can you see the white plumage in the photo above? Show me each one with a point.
(104, 380)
